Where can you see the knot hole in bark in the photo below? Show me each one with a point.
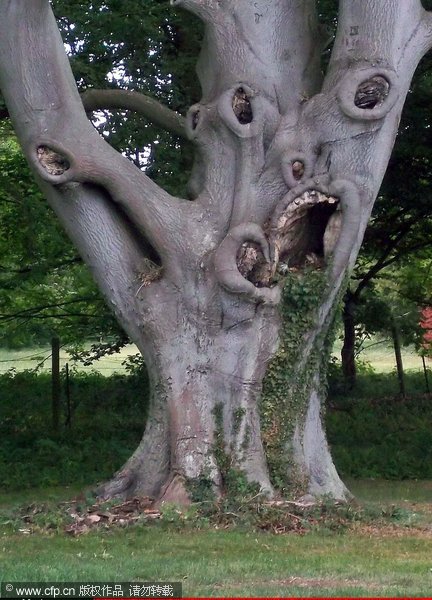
(52, 161)
(242, 106)
(195, 119)
(298, 170)
(372, 92)
(252, 264)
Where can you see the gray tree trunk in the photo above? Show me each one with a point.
(231, 296)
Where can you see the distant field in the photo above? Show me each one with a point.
(380, 356)
(30, 358)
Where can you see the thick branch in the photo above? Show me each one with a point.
(56, 135)
(271, 45)
(151, 109)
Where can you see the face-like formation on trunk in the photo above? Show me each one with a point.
(326, 164)
(307, 231)
(306, 235)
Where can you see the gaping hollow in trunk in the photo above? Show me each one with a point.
(307, 234)
(308, 231)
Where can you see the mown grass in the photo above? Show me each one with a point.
(372, 556)
(380, 355)
(385, 491)
(365, 562)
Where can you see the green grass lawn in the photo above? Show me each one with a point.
(220, 563)
(366, 561)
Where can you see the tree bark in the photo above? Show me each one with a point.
(231, 297)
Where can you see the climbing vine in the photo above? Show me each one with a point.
(290, 374)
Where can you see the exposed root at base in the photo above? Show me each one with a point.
(121, 486)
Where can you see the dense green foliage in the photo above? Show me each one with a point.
(108, 417)
(375, 433)
(44, 287)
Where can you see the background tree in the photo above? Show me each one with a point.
(286, 171)
(401, 226)
(44, 286)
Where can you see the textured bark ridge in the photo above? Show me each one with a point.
(235, 326)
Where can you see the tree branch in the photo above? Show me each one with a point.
(56, 135)
(386, 260)
(151, 109)
(382, 262)
(404, 252)
(43, 101)
(37, 309)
